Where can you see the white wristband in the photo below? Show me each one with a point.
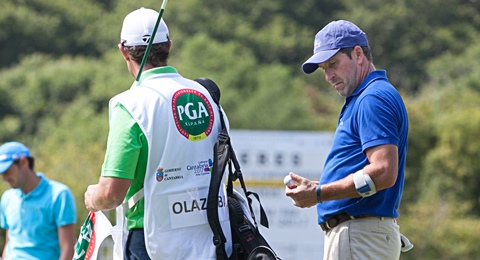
(364, 184)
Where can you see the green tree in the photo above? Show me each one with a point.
(454, 160)
(406, 35)
(441, 187)
(60, 66)
(53, 27)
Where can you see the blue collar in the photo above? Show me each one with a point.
(374, 75)
(37, 191)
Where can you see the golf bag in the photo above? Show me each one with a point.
(247, 242)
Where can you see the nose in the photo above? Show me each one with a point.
(329, 75)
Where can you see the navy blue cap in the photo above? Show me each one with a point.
(11, 151)
(333, 37)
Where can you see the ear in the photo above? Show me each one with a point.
(125, 55)
(23, 161)
(358, 54)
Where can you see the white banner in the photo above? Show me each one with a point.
(265, 158)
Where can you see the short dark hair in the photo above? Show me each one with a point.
(31, 162)
(366, 50)
(157, 56)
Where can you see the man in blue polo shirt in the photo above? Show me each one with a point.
(38, 214)
(361, 186)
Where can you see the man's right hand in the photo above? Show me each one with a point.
(304, 195)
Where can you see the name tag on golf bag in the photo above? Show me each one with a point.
(247, 242)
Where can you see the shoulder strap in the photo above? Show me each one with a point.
(223, 155)
(220, 157)
(219, 239)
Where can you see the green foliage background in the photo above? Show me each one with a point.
(59, 66)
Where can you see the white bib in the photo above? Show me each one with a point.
(181, 123)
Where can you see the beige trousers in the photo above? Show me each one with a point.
(363, 239)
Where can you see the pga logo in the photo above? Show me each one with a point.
(193, 114)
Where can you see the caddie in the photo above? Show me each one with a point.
(159, 152)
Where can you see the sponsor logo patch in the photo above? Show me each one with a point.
(201, 168)
(163, 174)
(193, 114)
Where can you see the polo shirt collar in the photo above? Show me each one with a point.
(374, 75)
(156, 71)
(39, 190)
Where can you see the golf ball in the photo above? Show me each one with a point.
(289, 182)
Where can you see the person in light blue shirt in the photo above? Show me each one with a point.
(38, 214)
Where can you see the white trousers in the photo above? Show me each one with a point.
(363, 239)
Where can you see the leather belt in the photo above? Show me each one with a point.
(340, 218)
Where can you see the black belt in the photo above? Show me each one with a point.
(340, 218)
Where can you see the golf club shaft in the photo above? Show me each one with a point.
(152, 38)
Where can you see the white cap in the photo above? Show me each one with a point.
(138, 27)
